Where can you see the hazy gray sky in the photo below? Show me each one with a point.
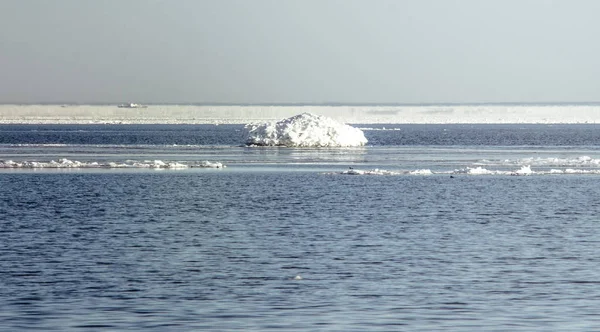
(271, 51)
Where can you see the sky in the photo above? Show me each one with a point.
(299, 51)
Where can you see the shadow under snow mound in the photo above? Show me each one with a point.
(304, 130)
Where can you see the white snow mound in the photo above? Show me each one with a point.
(304, 130)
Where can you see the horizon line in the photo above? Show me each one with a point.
(69, 103)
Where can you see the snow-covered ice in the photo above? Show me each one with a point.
(67, 163)
(354, 114)
(208, 164)
(421, 172)
(523, 171)
(369, 172)
(475, 171)
(304, 130)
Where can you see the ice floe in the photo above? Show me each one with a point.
(581, 161)
(369, 172)
(67, 163)
(304, 130)
(208, 164)
(523, 171)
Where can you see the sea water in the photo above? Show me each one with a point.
(284, 239)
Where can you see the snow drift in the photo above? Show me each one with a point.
(304, 130)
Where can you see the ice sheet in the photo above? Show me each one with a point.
(242, 114)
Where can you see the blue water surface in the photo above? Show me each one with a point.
(280, 240)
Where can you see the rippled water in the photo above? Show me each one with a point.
(220, 249)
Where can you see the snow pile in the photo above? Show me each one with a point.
(304, 130)
(525, 170)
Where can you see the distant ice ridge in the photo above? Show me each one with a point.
(578, 161)
(375, 171)
(523, 171)
(304, 130)
(378, 171)
(66, 163)
(582, 161)
(354, 114)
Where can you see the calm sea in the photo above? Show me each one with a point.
(281, 239)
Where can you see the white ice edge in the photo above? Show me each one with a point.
(354, 114)
(523, 171)
(67, 163)
(159, 164)
(552, 161)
